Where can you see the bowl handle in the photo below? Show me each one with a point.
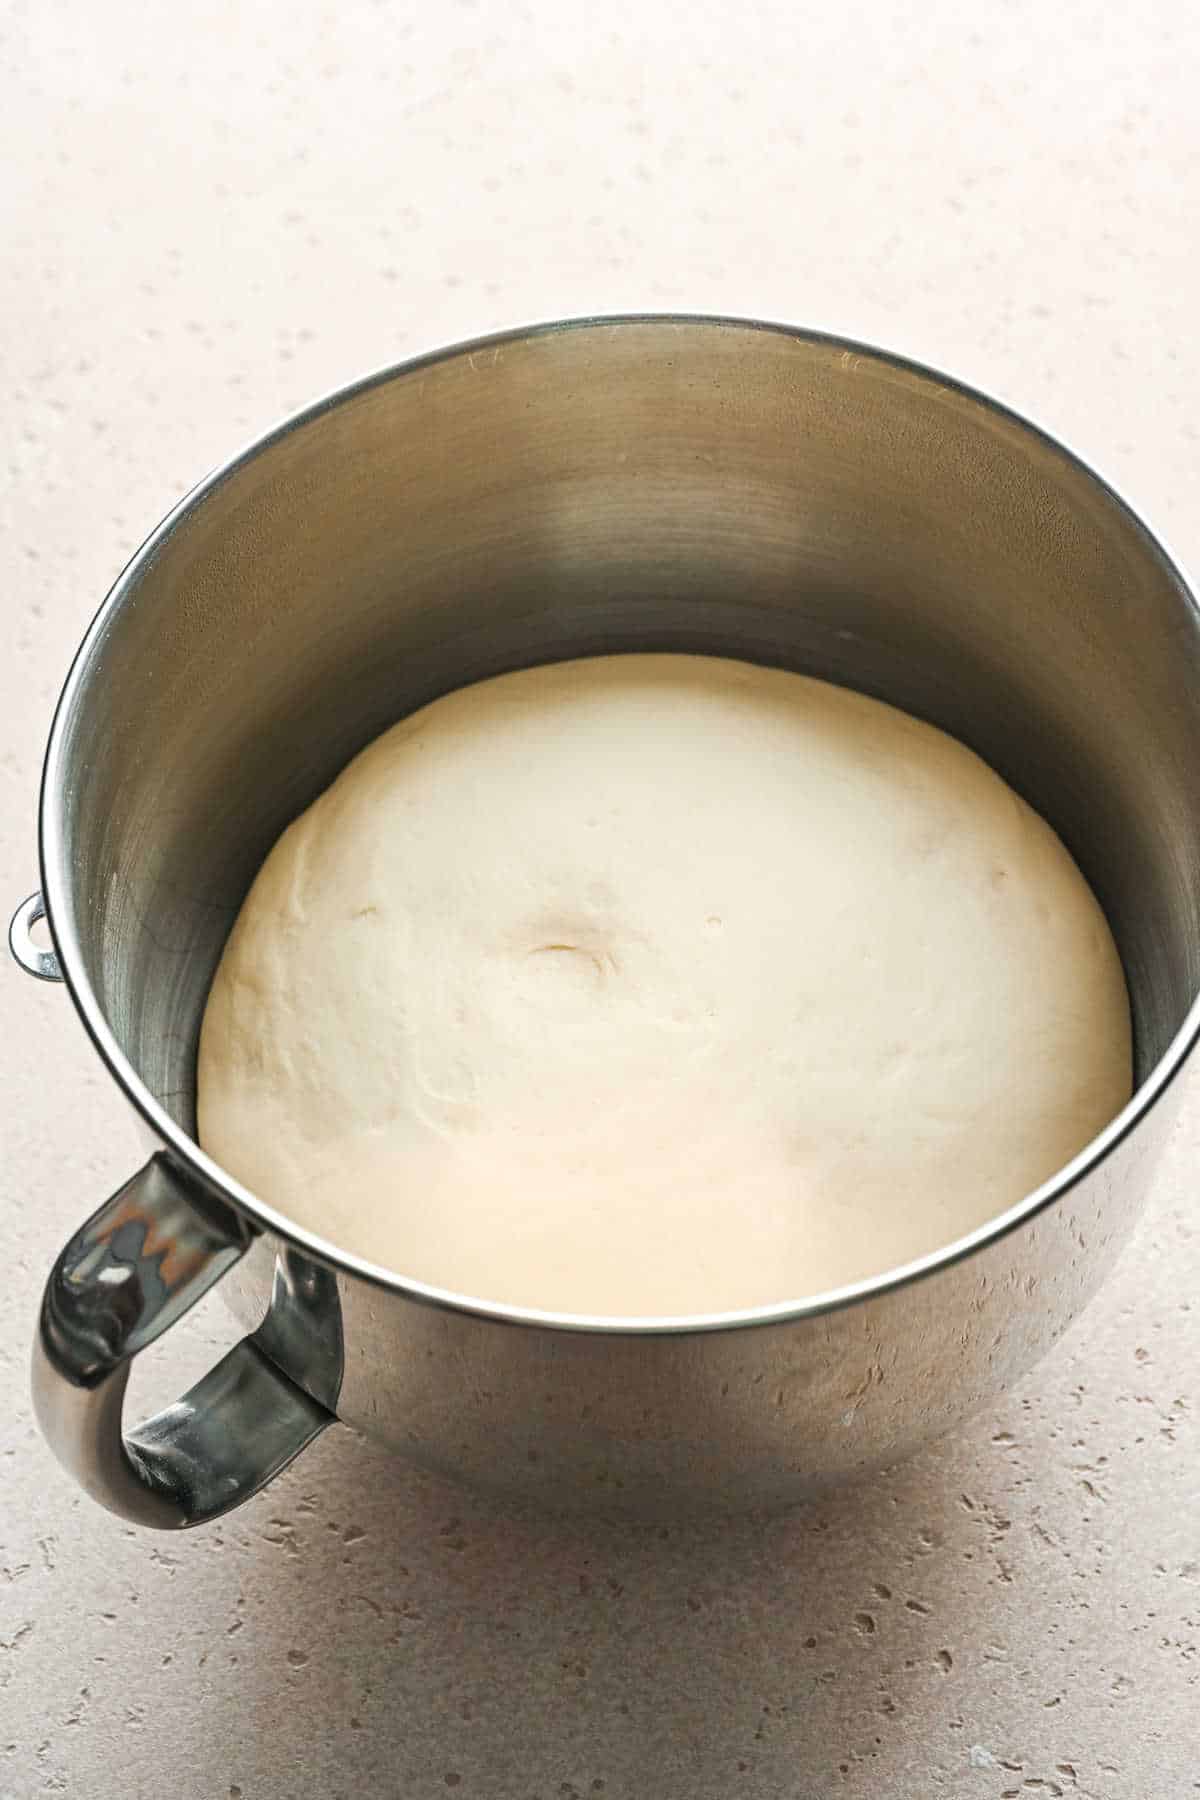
(32, 958)
(138, 1264)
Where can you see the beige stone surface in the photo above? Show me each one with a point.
(211, 214)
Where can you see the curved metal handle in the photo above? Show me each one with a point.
(32, 958)
(135, 1267)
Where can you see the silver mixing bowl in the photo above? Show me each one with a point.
(611, 484)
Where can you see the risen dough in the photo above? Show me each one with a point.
(660, 984)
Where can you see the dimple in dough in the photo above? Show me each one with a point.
(650, 985)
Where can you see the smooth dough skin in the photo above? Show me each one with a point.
(651, 985)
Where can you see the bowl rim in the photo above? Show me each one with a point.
(187, 1153)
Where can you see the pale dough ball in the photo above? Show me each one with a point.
(660, 985)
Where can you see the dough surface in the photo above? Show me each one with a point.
(660, 985)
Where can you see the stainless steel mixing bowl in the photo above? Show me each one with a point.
(611, 484)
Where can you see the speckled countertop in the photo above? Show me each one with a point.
(212, 214)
